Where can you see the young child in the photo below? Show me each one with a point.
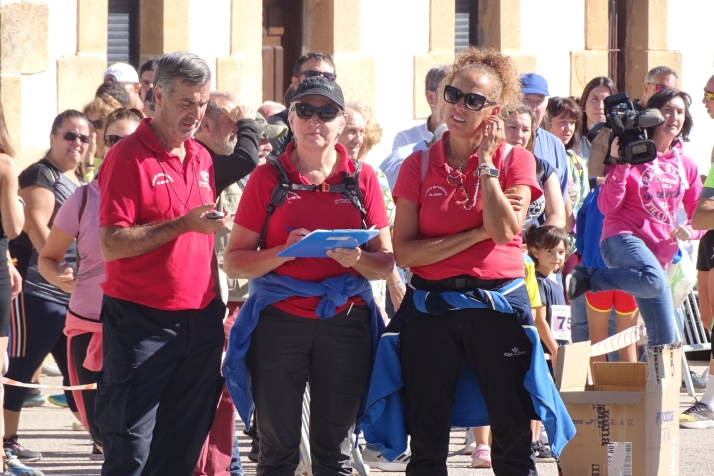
(548, 246)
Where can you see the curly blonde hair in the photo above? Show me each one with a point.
(497, 67)
(104, 105)
(372, 130)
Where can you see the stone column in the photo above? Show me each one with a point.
(163, 27)
(499, 27)
(241, 73)
(333, 26)
(79, 75)
(441, 50)
(593, 61)
(646, 43)
(23, 50)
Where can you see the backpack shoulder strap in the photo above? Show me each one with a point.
(353, 192)
(424, 163)
(277, 198)
(508, 148)
(82, 207)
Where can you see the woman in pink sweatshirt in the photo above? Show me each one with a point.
(640, 203)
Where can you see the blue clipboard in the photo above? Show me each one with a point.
(316, 244)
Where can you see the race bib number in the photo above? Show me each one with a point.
(560, 322)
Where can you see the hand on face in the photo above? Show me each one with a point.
(493, 137)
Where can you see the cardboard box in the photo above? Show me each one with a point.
(627, 420)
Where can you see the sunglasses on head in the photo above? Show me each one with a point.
(311, 72)
(708, 96)
(111, 140)
(325, 113)
(658, 87)
(73, 136)
(97, 123)
(472, 101)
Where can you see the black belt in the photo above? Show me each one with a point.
(458, 283)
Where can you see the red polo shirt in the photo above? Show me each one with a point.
(439, 215)
(141, 183)
(313, 211)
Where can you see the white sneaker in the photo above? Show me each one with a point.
(543, 435)
(15, 466)
(375, 460)
(470, 442)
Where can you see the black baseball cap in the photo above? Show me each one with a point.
(317, 85)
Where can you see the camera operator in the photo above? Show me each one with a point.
(640, 204)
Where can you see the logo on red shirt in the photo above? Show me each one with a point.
(160, 179)
(204, 182)
(435, 191)
(292, 196)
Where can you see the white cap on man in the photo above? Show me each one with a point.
(122, 73)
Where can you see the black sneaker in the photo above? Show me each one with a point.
(254, 450)
(12, 446)
(578, 282)
(97, 452)
(542, 453)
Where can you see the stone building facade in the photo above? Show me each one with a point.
(53, 52)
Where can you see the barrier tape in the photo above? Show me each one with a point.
(611, 344)
(618, 341)
(15, 383)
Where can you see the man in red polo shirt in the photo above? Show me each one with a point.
(162, 321)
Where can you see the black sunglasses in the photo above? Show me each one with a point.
(111, 140)
(311, 72)
(325, 113)
(472, 101)
(97, 123)
(72, 136)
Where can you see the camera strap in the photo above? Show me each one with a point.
(680, 166)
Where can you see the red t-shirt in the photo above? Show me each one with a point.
(312, 211)
(141, 183)
(440, 216)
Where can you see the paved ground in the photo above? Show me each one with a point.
(49, 429)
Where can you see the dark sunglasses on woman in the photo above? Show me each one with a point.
(472, 101)
(311, 72)
(325, 113)
(111, 140)
(97, 123)
(72, 136)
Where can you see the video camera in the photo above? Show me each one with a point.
(630, 127)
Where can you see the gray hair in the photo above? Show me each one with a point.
(659, 71)
(213, 110)
(188, 67)
(435, 76)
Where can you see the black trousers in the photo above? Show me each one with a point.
(334, 355)
(434, 351)
(43, 325)
(78, 347)
(158, 387)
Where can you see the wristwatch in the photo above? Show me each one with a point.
(487, 169)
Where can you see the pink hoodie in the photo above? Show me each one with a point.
(643, 200)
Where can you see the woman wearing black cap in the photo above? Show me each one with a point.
(306, 318)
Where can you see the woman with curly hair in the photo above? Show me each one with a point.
(97, 112)
(461, 237)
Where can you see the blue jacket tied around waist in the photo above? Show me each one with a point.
(384, 416)
(270, 289)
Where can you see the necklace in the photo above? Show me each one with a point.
(461, 165)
